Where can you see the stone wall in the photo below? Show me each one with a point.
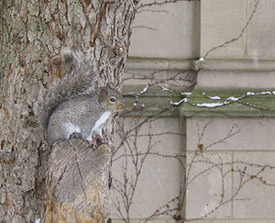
(216, 149)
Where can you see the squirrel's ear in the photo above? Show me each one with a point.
(57, 66)
(57, 61)
(103, 93)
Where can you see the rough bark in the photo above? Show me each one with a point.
(33, 32)
(78, 183)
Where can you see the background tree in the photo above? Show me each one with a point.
(32, 33)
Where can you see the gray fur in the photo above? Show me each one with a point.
(78, 79)
(79, 115)
(71, 104)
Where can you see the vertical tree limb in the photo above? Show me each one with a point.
(78, 183)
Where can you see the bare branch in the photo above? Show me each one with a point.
(237, 37)
(159, 3)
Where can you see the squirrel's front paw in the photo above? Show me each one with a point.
(98, 140)
(101, 139)
(93, 143)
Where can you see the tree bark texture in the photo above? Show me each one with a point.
(78, 188)
(32, 33)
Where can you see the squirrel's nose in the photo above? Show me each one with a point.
(121, 106)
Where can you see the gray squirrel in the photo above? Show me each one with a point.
(72, 105)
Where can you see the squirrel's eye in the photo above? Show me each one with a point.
(112, 99)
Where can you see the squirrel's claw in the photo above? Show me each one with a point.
(98, 139)
(101, 139)
(93, 143)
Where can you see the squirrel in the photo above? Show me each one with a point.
(72, 105)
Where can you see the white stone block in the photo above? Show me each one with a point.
(261, 31)
(251, 134)
(235, 221)
(209, 185)
(236, 79)
(222, 21)
(161, 175)
(166, 31)
(257, 182)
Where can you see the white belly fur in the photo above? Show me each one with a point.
(70, 129)
(98, 125)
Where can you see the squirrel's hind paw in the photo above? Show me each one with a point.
(75, 135)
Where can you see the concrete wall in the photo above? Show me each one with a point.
(225, 155)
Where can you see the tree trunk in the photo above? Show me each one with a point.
(32, 33)
(78, 183)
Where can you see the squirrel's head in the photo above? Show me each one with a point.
(111, 98)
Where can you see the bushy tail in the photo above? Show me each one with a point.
(77, 77)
